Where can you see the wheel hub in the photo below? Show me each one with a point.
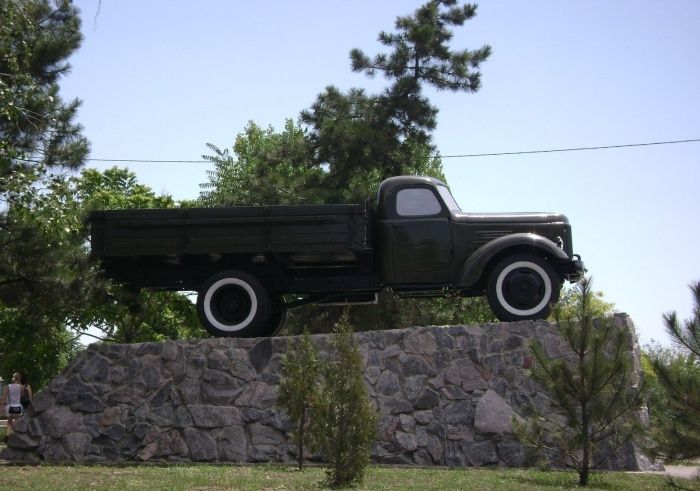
(232, 305)
(523, 288)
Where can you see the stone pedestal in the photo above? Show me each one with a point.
(445, 396)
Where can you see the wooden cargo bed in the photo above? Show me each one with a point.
(301, 229)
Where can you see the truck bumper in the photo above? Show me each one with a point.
(575, 269)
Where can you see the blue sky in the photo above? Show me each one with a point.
(160, 79)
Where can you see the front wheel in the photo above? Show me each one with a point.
(234, 304)
(522, 287)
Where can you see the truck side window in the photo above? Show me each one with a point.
(413, 202)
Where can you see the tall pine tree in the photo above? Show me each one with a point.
(37, 130)
(37, 135)
(358, 136)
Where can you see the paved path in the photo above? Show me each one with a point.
(683, 471)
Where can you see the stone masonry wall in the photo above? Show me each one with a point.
(445, 396)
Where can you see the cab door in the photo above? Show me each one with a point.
(419, 234)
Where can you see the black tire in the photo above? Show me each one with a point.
(522, 287)
(234, 304)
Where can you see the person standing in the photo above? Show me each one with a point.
(12, 394)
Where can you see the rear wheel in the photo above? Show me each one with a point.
(234, 304)
(522, 287)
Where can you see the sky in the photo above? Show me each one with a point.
(159, 80)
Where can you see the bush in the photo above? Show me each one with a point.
(298, 389)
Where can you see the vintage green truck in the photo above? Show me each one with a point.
(250, 264)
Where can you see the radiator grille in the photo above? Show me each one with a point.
(482, 237)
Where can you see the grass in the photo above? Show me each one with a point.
(270, 477)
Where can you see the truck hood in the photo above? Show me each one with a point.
(541, 217)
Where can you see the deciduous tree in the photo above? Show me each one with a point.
(122, 314)
(266, 167)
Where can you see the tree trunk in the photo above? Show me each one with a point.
(583, 474)
(585, 469)
(300, 439)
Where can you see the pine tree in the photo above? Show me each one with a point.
(371, 137)
(344, 423)
(298, 389)
(36, 126)
(421, 56)
(595, 394)
(37, 134)
(676, 427)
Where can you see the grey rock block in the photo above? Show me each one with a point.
(202, 445)
(493, 414)
(209, 416)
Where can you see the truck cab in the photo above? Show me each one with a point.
(428, 244)
(415, 236)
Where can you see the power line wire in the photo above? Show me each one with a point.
(151, 161)
(574, 149)
(456, 156)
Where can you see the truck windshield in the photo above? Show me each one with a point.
(448, 199)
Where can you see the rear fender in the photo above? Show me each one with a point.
(473, 268)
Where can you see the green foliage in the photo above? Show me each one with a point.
(36, 126)
(40, 285)
(568, 304)
(595, 392)
(49, 289)
(298, 389)
(686, 335)
(127, 316)
(357, 139)
(372, 137)
(675, 409)
(420, 52)
(37, 136)
(39, 351)
(267, 168)
(122, 314)
(52, 291)
(115, 189)
(344, 423)
(392, 313)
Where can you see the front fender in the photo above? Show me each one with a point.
(473, 267)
